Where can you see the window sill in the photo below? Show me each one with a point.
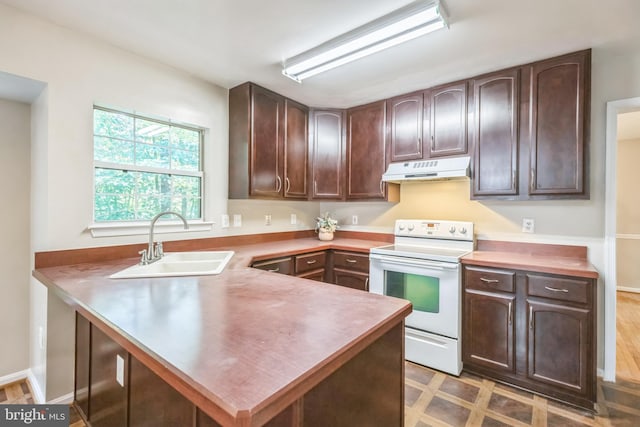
(140, 228)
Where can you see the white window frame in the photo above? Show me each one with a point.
(137, 227)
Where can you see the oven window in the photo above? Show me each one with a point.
(422, 291)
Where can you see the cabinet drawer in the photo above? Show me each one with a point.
(559, 288)
(491, 280)
(308, 262)
(280, 265)
(352, 261)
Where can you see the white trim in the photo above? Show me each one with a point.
(111, 229)
(36, 391)
(12, 378)
(611, 154)
(628, 236)
(64, 399)
(633, 289)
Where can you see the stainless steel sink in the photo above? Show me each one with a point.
(179, 264)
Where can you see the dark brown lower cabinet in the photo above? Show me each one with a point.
(534, 330)
(367, 390)
(107, 397)
(153, 402)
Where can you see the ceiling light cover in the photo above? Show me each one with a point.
(414, 20)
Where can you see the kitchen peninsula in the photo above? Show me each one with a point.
(243, 348)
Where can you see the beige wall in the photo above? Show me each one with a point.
(628, 215)
(14, 245)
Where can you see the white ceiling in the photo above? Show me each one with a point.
(229, 42)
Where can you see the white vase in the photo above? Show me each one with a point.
(325, 235)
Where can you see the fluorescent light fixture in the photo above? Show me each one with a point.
(407, 23)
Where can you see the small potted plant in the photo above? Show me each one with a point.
(325, 226)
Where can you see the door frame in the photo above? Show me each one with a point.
(611, 154)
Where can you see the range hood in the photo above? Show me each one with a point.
(428, 170)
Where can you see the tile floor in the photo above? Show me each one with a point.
(436, 399)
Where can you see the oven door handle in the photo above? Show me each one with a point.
(415, 262)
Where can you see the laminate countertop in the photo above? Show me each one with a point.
(241, 345)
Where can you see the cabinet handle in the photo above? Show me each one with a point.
(286, 179)
(279, 181)
(381, 189)
(275, 270)
(312, 261)
(352, 261)
(510, 312)
(366, 284)
(556, 289)
(513, 180)
(532, 184)
(315, 187)
(433, 143)
(530, 317)
(489, 280)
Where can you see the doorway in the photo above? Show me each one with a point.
(621, 306)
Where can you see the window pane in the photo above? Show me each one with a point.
(185, 139)
(151, 132)
(111, 207)
(109, 181)
(154, 183)
(185, 160)
(113, 150)
(112, 124)
(149, 155)
(189, 207)
(186, 186)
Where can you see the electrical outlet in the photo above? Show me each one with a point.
(237, 220)
(354, 219)
(528, 225)
(225, 221)
(267, 220)
(294, 219)
(120, 370)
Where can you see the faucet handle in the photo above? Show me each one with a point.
(144, 258)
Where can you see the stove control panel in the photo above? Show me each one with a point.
(434, 229)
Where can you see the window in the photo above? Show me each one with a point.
(144, 166)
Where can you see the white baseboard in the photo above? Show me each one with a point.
(67, 399)
(16, 376)
(36, 390)
(628, 289)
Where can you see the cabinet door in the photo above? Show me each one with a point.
(327, 154)
(447, 112)
(267, 110)
(404, 115)
(295, 150)
(558, 345)
(153, 402)
(488, 332)
(495, 134)
(366, 151)
(108, 398)
(559, 126)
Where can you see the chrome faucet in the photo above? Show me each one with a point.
(154, 251)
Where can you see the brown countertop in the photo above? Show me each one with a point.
(543, 258)
(242, 345)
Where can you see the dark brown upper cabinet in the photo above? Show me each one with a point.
(445, 110)
(296, 133)
(404, 127)
(267, 144)
(559, 94)
(367, 152)
(494, 132)
(530, 130)
(327, 152)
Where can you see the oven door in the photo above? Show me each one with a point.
(433, 287)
